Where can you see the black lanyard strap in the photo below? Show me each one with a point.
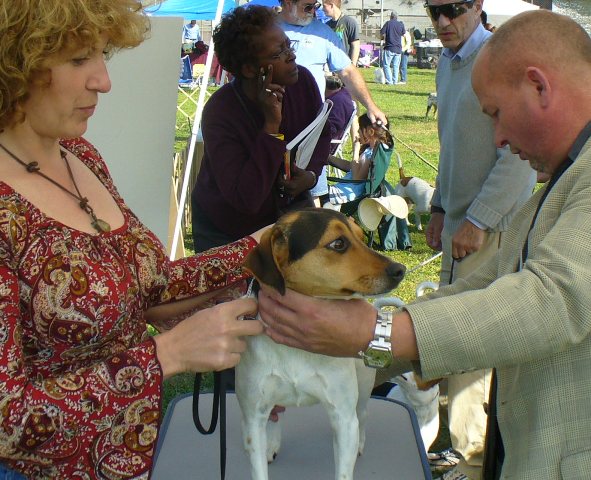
(555, 177)
(218, 408)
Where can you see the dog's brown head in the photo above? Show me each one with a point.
(321, 252)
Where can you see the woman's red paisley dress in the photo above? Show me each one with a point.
(80, 385)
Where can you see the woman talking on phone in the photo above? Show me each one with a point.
(246, 125)
(80, 276)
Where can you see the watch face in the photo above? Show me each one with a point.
(378, 357)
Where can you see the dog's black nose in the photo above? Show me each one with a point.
(396, 271)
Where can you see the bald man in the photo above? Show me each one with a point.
(526, 312)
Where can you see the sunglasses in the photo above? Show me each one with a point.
(449, 10)
(310, 7)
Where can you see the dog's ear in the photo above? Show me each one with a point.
(261, 262)
(357, 230)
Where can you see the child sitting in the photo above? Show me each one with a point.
(371, 135)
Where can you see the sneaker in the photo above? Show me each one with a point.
(445, 458)
(453, 475)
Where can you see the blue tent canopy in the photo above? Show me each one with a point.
(190, 9)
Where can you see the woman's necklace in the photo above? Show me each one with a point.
(33, 167)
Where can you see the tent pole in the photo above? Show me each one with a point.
(195, 130)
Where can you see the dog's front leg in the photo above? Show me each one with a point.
(255, 443)
(273, 439)
(345, 427)
(365, 382)
(418, 223)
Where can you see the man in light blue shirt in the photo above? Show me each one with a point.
(318, 45)
(191, 32)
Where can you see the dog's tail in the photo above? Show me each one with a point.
(403, 177)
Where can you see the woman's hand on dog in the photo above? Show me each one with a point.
(340, 328)
(209, 340)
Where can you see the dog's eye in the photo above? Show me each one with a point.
(339, 245)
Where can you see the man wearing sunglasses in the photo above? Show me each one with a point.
(479, 188)
(319, 45)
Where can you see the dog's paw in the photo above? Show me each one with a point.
(273, 440)
(361, 443)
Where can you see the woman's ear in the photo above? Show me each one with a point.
(249, 71)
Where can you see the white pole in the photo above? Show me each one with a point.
(381, 13)
(196, 126)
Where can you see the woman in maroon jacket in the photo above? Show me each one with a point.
(246, 126)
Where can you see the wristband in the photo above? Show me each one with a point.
(379, 350)
(315, 179)
(279, 136)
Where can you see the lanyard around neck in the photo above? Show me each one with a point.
(555, 177)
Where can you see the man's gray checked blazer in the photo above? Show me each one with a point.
(533, 325)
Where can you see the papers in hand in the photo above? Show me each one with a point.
(305, 142)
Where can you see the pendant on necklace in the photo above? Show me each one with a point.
(100, 225)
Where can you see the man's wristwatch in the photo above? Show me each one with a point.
(379, 351)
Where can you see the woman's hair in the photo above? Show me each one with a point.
(36, 34)
(236, 38)
(381, 131)
(333, 82)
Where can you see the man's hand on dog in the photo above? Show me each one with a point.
(340, 328)
(467, 239)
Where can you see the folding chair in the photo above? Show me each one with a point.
(187, 88)
(376, 186)
(380, 161)
(338, 143)
(393, 449)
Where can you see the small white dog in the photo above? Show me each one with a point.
(425, 404)
(418, 192)
(323, 253)
(379, 75)
(431, 104)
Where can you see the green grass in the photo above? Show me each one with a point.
(405, 106)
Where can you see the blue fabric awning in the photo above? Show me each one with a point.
(190, 9)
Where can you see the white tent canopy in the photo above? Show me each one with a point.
(507, 7)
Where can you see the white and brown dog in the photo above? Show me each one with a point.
(317, 252)
(415, 191)
(431, 104)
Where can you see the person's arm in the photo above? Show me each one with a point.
(502, 189)
(243, 156)
(355, 83)
(180, 298)
(340, 163)
(355, 48)
(340, 328)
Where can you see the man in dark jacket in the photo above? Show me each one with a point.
(391, 33)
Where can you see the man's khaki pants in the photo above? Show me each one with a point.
(467, 393)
